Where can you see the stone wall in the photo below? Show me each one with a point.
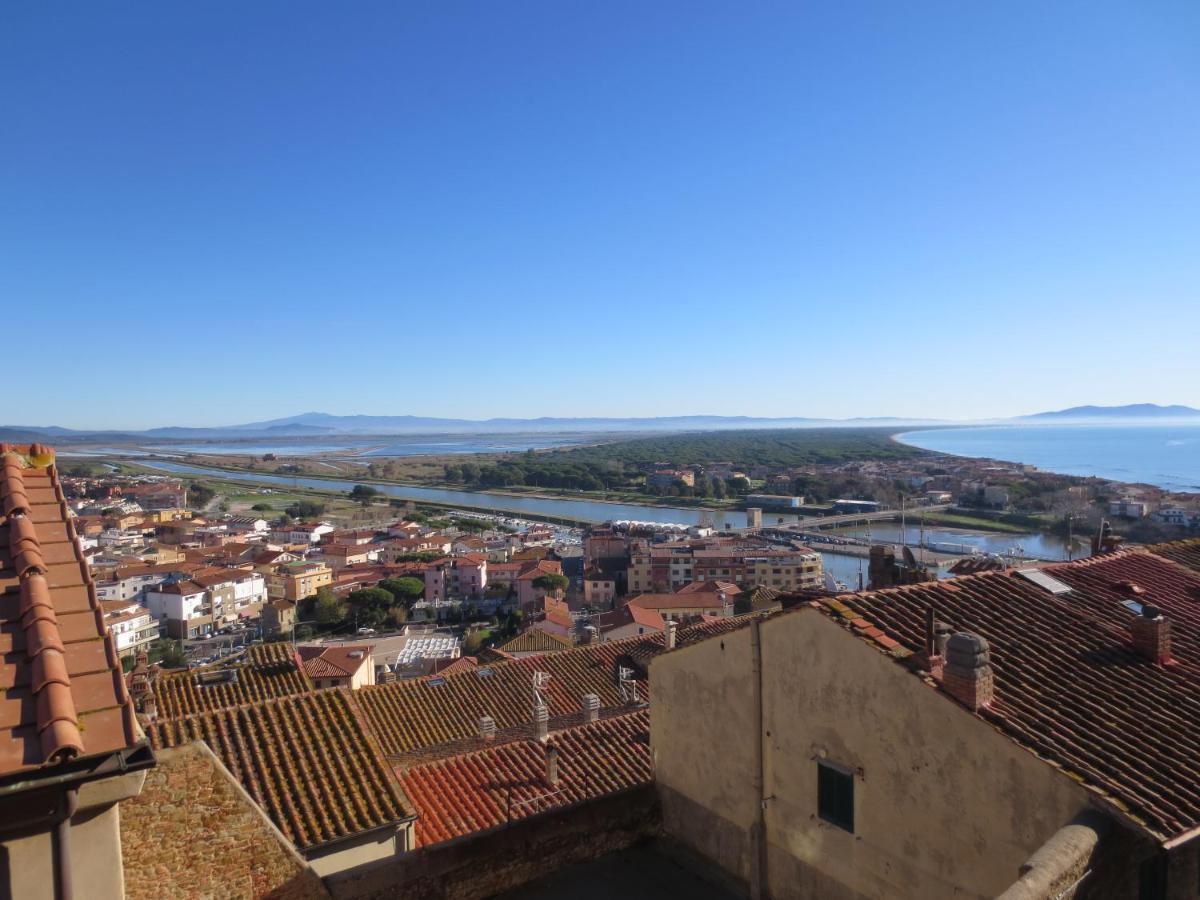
(194, 832)
(504, 858)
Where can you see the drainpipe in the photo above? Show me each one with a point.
(62, 839)
(758, 838)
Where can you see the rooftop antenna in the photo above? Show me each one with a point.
(629, 689)
(540, 680)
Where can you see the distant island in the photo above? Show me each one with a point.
(1129, 412)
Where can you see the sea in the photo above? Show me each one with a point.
(1167, 456)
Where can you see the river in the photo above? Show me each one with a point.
(844, 568)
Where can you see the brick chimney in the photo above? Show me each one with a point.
(552, 766)
(669, 634)
(967, 676)
(1152, 635)
(591, 707)
(541, 723)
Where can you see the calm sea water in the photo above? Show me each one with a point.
(1164, 455)
(395, 446)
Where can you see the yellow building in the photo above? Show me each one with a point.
(297, 580)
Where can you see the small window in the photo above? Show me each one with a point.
(835, 795)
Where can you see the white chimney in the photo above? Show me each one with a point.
(487, 728)
(669, 628)
(541, 723)
(591, 707)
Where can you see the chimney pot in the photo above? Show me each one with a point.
(591, 707)
(1152, 635)
(552, 766)
(968, 673)
(487, 728)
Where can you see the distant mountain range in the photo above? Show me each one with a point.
(319, 424)
(1133, 411)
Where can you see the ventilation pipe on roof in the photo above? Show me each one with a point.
(552, 766)
(937, 635)
(591, 707)
(968, 673)
(1152, 635)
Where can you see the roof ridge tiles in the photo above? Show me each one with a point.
(57, 720)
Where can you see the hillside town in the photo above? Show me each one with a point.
(425, 709)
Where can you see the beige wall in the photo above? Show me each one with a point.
(351, 853)
(944, 804)
(96, 868)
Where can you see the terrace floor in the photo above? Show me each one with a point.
(654, 870)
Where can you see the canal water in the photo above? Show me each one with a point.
(844, 568)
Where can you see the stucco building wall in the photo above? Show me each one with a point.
(944, 805)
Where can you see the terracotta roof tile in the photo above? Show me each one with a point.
(269, 670)
(62, 693)
(1068, 684)
(479, 790)
(1186, 552)
(536, 641)
(332, 784)
(427, 712)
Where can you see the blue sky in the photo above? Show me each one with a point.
(221, 212)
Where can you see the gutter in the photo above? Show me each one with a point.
(758, 875)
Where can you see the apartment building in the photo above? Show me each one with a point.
(132, 627)
(297, 580)
(665, 568)
(457, 577)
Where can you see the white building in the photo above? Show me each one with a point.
(131, 625)
(1177, 515)
(1129, 508)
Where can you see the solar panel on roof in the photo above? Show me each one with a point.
(1044, 581)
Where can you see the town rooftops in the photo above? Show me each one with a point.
(304, 759)
(486, 788)
(423, 713)
(1068, 683)
(62, 697)
(269, 670)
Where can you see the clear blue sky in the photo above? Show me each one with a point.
(219, 212)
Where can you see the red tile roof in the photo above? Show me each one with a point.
(61, 691)
(334, 662)
(330, 784)
(1186, 552)
(483, 789)
(1068, 684)
(696, 600)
